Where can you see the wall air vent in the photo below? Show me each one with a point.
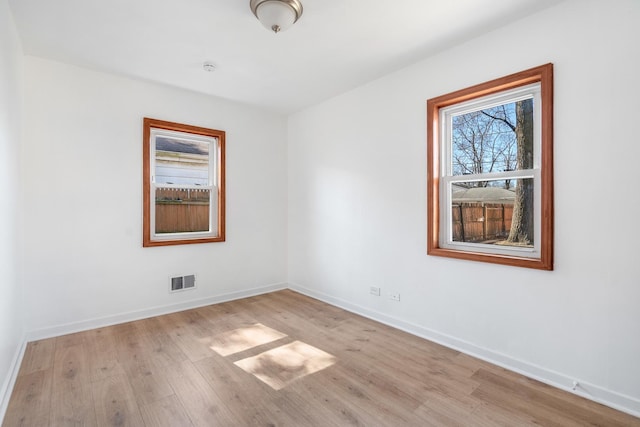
(182, 283)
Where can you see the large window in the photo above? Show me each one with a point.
(490, 171)
(183, 184)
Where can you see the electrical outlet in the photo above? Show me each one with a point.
(374, 290)
(395, 296)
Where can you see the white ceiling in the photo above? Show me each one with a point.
(335, 46)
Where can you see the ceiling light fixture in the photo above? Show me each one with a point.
(277, 15)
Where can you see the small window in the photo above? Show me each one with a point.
(490, 171)
(183, 184)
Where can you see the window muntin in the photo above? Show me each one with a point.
(523, 166)
(183, 184)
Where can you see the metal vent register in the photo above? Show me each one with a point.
(181, 283)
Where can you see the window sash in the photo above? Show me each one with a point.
(447, 178)
(212, 156)
(213, 209)
(446, 203)
(531, 91)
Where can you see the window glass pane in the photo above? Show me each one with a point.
(498, 212)
(180, 210)
(181, 161)
(495, 139)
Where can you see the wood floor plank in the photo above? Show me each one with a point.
(246, 397)
(38, 356)
(364, 400)
(184, 369)
(224, 320)
(102, 356)
(204, 406)
(115, 402)
(320, 405)
(136, 352)
(150, 384)
(333, 408)
(70, 340)
(30, 401)
(443, 410)
(73, 404)
(322, 315)
(157, 337)
(131, 353)
(558, 408)
(517, 405)
(597, 413)
(166, 412)
(186, 329)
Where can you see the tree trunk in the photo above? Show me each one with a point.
(522, 221)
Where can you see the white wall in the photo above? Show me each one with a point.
(84, 260)
(357, 205)
(11, 316)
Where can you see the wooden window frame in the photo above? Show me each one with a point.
(148, 201)
(542, 75)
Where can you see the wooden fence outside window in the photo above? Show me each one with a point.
(481, 222)
(182, 210)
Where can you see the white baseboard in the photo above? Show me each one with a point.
(84, 325)
(593, 392)
(10, 381)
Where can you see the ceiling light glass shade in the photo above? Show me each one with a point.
(277, 15)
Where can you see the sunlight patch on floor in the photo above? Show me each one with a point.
(287, 363)
(243, 339)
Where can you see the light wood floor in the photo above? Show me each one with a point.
(280, 359)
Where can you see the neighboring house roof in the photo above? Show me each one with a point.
(164, 143)
(483, 195)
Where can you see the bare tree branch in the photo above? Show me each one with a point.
(502, 119)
